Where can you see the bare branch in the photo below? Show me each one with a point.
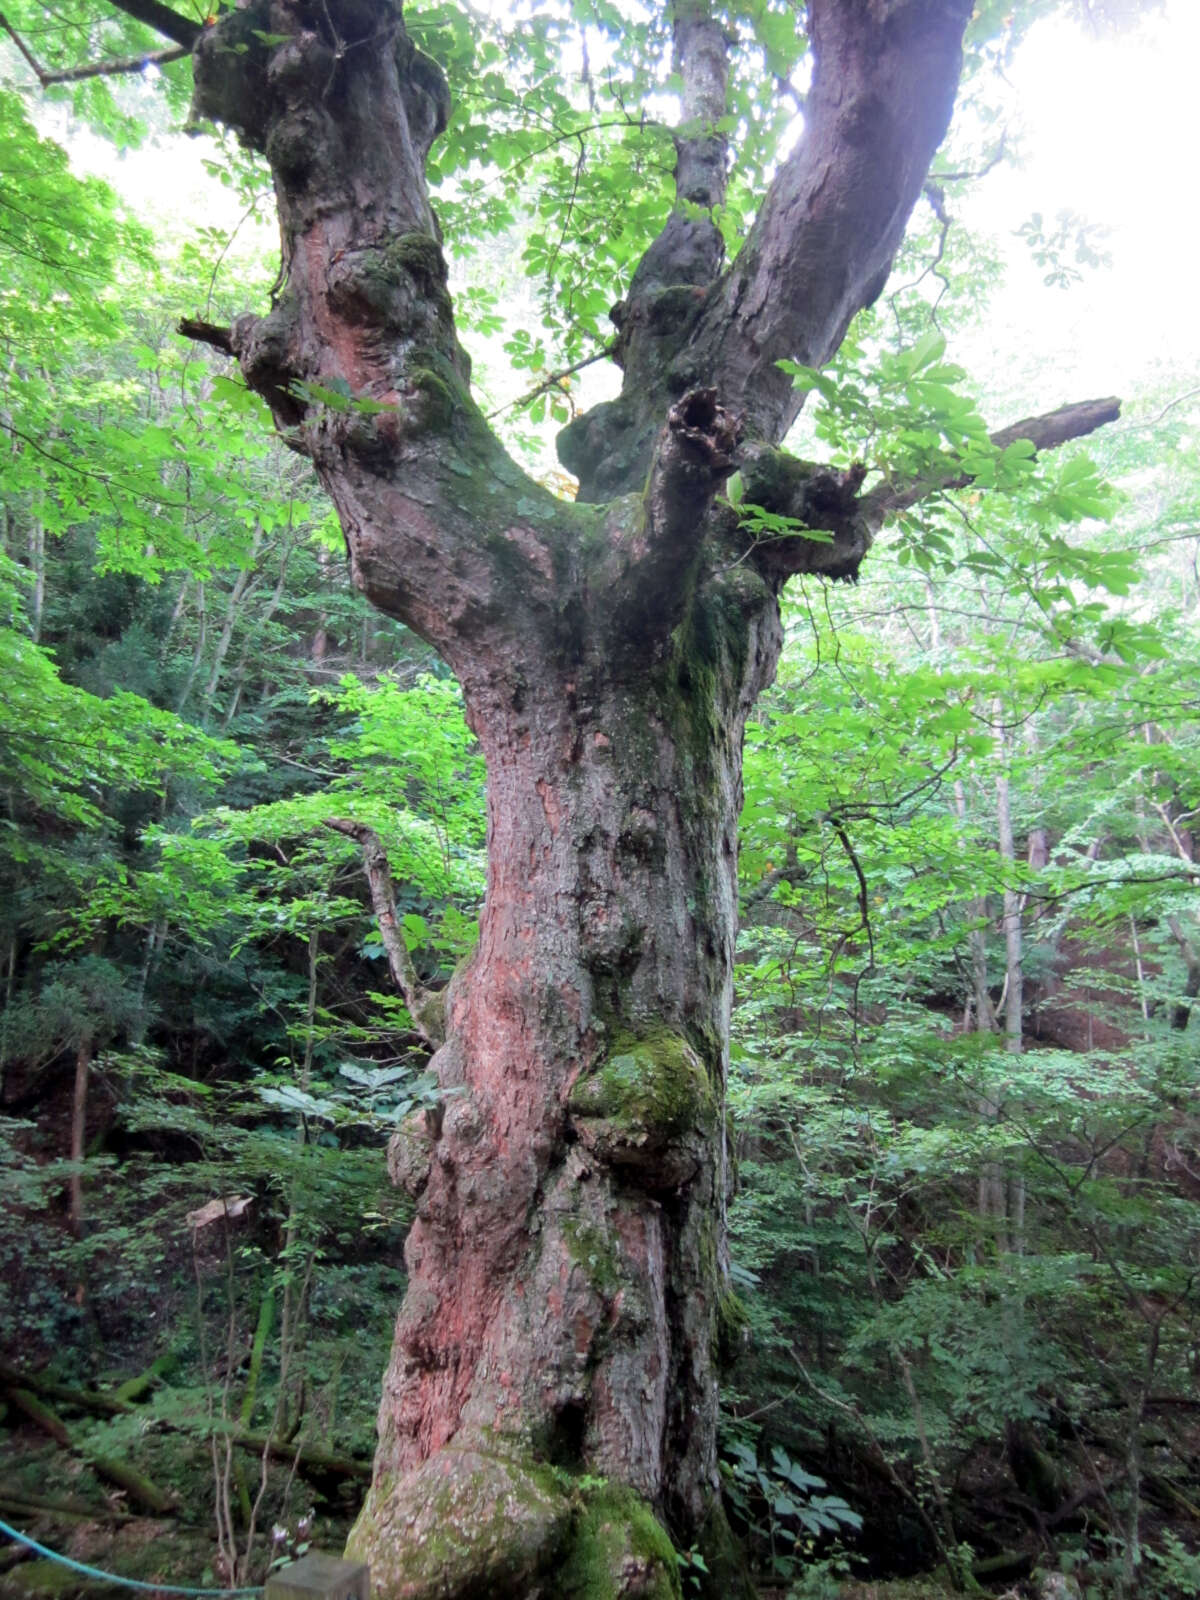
(117, 66)
(215, 334)
(425, 1006)
(23, 48)
(552, 382)
(185, 34)
(1053, 428)
(162, 19)
(1046, 432)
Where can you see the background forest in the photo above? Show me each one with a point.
(966, 1225)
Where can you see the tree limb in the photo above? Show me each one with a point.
(25, 52)
(696, 453)
(611, 449)
(826, 498)
(215, 334)
(425, 1006)
(823, 243)
(552, 382)
(821, 498)
(1046, 432)
(701, 58)
(820, 249)
(116, 66)
(162, 19)
(181, 29)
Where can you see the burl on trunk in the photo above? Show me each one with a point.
(550, 1409)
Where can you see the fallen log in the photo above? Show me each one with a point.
(136, 1485)
(308, 1458)
(323, 1462)
(103, 1405)
(135, 1389)
(30, 1505)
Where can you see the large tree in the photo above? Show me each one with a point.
(568, 1308)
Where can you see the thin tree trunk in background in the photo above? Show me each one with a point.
(977, 911)
(185, 693)
(37, 566)
(243, 586)
(1013, 1203)
(10, 983)
(991, 1201)
(261, 625)
(1014, 981)
(79, 1099)
(320, 641)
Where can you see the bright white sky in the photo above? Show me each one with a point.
(1107, 132)
(1110, 134)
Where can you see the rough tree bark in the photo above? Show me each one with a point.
(568, 1308)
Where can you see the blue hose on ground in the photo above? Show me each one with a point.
(108, 1577)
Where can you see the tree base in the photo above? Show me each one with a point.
(479, 1525)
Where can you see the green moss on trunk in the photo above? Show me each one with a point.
(618, 1549)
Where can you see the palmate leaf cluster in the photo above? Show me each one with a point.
(961, 1261)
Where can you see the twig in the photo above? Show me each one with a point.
(554, 379)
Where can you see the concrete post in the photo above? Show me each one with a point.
(319, 1577)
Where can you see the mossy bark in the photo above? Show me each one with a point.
(567, 1293)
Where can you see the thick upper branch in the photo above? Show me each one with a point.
(827, 499)
(884, 81)
(696, 453)
(183, 30)
(702, 62)
(821, 248)
(609, 449)
(359, 357)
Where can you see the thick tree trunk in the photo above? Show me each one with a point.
(566, 1297)
(551, 1402)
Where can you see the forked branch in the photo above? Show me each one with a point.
(181, 29)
